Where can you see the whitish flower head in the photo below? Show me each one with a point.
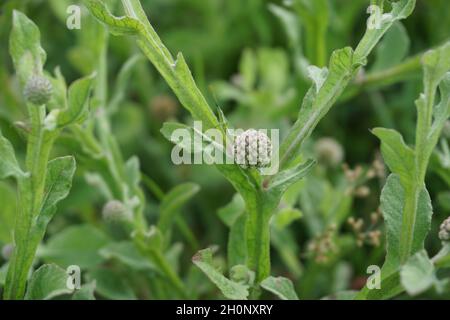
(444, 232)
(252, 148)
(114, 210)
(38, 90)
(329, 151)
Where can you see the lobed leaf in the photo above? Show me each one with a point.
(231, 290)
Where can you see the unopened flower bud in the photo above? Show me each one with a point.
(329, 152)
(114, 210)
(7, 251)
(444, 231)
(252, 148)
(38, 90)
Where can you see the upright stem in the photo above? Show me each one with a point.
(31, 191)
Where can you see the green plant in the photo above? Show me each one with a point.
(261, 195)
(43, 182)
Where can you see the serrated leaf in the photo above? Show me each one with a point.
(76, 245)
(231, 290)
(281, 287)
(47, 282)
(8, 162)
(117, 25)
(397, 155)
(418, 274)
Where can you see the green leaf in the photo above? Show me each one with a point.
(284, 179)
(117, 25)
(248, 69)
(281, 287)
(285, 217)
(397, 155)
(8, 163)
(58, 181)
(231, 290)
(8, 199)
(319, 99)
(236, 250)
(392, 49)
(77, 245)
(78, 105)
(47, 282)
(122, 81)
(86, 292)
(111, 285)
(436, 63)
(400, 10)
(25, 47)
(172, 203)
(126, 253)
(175, 72)
(393, 199)
(290, 23)
(232, 211)
(418, 274)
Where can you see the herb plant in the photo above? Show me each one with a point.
(121, 222)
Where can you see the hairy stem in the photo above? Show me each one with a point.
(31, 193)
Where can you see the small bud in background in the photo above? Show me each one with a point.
(163, 108)
(444, 231)
(115, 210)
(329, 152)
(252, 148)
(7, 251)
(38, 90)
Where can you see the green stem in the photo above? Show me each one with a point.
(408, 222)
(257, 235)
(31, 192)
